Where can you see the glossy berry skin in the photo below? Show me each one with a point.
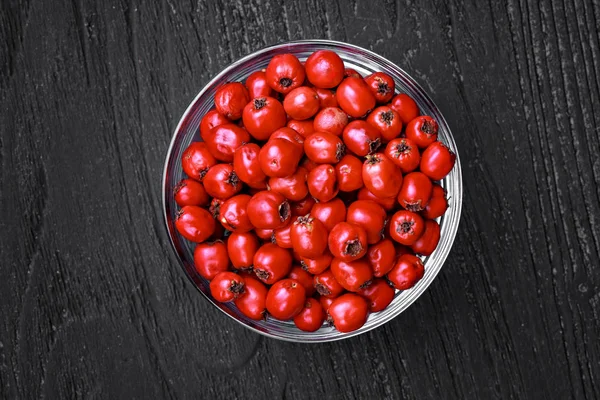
(196, 160)
(387, 203)
(423, 131)
(352, 275)
(330, 213)
(324, 69)
(268, 210)
(349, 173)
(332, 120)
(226, 286)
(406, 227)
(292, 187)
(326, 285)
(438, 204)
(285, 73)
(282, 237)
(241, 248)
(303, 206)
(230, 100)
(312, 316)
(309, 236)
(404, 153)
(257, 86)
(194, 223)
(325, 303)
(387, 121)
(381, 257)
(429, 240)
(299, 274)
(301, 103)
(348, 312)
(224, 140)
(210, 120)
(378, 294)
(189, 192)
(326, 97)
(271, 263)
(354, 97)
(324, 148)
(381, 176)
(264, 234)
(262, 116)
(304, 128)
(407, 271)
(361, 138)
(253, 302)
(370, 216)
(286, 299)
(233, 215)
(406, 107)
(222, 182)
(415, 192)
(246, 164)
(318, 264)
(279, 158)
(290, 135)
(348, 242)
(210, 258)
(322, 183)
(437, 161)
(382, 86)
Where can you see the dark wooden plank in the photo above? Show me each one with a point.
(93, 304)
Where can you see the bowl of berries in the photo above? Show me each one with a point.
(312, 191)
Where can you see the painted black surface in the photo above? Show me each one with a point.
(92, 304)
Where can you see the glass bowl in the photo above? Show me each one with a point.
(365, 62)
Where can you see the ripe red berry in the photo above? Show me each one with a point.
(285, 73)
(311, 317)
(423, 131)
(379, 294)
(309, 236)
(189, 192)
(348, 242)
(230, 100)
(285, 299)
(253, 302)
(226, 286)
(382, 86)
(324, 69)
(407, 271)
(348, 312)
(194, 223)
(406, 107)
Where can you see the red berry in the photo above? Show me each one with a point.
(348, 312)
(286, 299)
(226, 286)
(407, 271)
(311, 317)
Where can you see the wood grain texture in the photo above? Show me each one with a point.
(92, 303)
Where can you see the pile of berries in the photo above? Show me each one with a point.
(312, 193)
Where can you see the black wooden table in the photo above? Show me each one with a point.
(93, 304)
